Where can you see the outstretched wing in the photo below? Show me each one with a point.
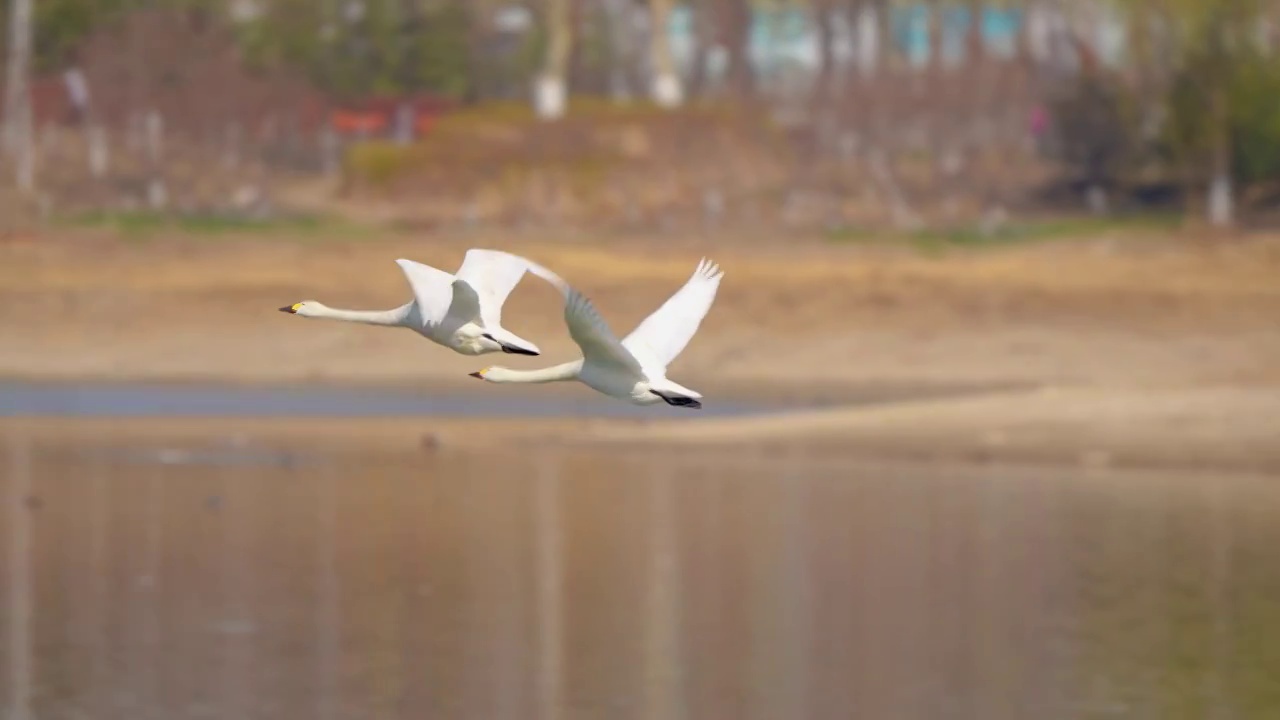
(492, 274)
(589, 330)
(664, 334)
(466, 305)
(592, 334)
(432, 289)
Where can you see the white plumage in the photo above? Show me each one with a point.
(633, 369)
(462, 312)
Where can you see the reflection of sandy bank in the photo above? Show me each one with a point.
(1220, 427)
(1213, 427)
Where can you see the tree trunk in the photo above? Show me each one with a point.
(478, 33)
(861, 18)
(735, 33)
(886, 48)
(937, 17)
(936, 83)
(621, 58)
(823, 21)
(666, 88)
(984, 85)
(937, 102)
(157, 191)
(550, 91)
(18, 129)
(1034, 39)
(1221, 209)
(704, 38)
(1220, 203)
(975, 47)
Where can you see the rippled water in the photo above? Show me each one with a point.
(583, 584)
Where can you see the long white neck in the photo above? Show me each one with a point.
(555, 373)
(368, 317)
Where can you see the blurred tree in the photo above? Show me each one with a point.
(975, 48)
(550, 88)
(1093, 130)
(1209, 102)
(824, 24)
(58, 26)
(621, 48)
(434, 54)
(367, 47)
(704, 39)
(17, 102)
(734, 25)
(888, 58)
(666, 88)
(1254, 99)
(937, 18)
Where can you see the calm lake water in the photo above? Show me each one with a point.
(91, 399)
(22, 398)
(323, 585)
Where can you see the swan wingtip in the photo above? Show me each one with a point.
(710, 271)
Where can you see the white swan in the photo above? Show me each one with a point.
(462, 312)
(635, 369)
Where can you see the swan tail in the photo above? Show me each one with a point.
(673, 399)
(677, 395)
(513, 345)
(514, 350)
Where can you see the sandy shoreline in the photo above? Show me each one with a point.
(1207, 429)
(823, 316)
(1098, 352)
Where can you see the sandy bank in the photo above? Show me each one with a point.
(799, 315)
(1212, 428)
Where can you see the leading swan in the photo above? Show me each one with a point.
(635, 368)
(462, 312)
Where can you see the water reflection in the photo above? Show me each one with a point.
(548, 572)
(578, 584)
(19, 501)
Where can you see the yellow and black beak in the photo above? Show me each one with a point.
(291, 309)
(477, 374)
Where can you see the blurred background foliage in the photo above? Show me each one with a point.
(1191, 98)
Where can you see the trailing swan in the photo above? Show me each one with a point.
(462, 312)
(635, 368)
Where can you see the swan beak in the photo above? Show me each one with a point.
(291, 309)
(477, 374)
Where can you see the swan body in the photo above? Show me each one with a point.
(633, 369)
(462, 312)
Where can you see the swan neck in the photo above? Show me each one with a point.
(566, 371)
(367, 317)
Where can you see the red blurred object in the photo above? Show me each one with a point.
(377, 115)
(354, 121)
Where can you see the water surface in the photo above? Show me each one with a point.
(580, 584)
(87, 399)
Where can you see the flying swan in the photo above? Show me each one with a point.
(462, 312)
(635, 369)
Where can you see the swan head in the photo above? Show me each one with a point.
(497, 374)
(488, 373)
(305, 308)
